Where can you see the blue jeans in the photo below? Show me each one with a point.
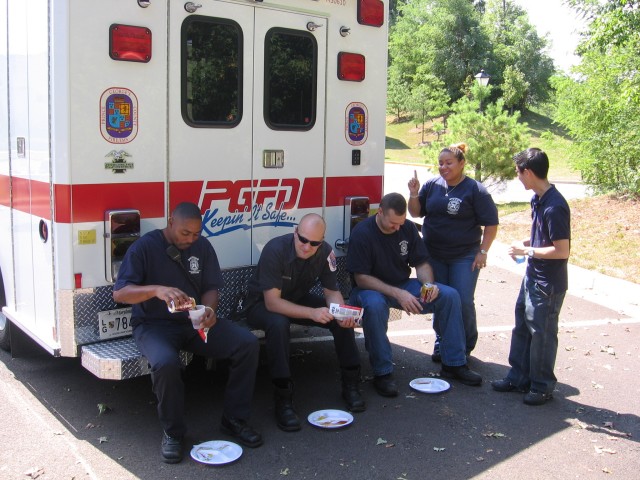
(447, 323)
(534, 340)
(457, 274)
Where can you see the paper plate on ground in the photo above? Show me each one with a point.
(216, 452)
(429, 385)
(330, 418)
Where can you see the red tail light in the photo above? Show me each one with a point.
(371, 12)
(351, 66)
(129, 43)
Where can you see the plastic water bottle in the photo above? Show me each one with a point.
(519, 258)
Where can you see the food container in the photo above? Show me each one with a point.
(344, 312)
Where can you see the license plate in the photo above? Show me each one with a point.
(114, 323)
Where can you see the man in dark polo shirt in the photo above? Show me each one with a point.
(289, 266)
(171, 265)
(534, 340)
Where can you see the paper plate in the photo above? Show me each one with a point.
(216, 452)
(429, 385)
(330, 418)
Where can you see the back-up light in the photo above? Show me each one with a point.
(351, 66)
(129, 43)
(371, 12)
(121, 229)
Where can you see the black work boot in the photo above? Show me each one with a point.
(351, 391)
(286, 417)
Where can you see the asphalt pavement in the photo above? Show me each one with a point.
(52, 427)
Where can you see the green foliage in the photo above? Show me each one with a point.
(514, 88)
(493, 137)
(601, 107)
(442, 36)
(428, 98)
(517, 45)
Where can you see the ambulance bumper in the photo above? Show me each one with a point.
(118, 359)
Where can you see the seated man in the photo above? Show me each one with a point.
(289, 266)
(151, 279)
(382, 250)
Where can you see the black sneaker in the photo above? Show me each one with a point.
(385, 385)
(536, 398)
(171, 449)
(461, 373)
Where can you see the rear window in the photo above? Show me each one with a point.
(211, 72)
(290, 79)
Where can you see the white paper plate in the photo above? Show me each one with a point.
(330, 418)
(216, 452)
(429, 385)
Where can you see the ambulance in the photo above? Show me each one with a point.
(112, 113)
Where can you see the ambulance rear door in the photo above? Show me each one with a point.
(246, 122)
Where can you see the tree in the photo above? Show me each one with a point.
(493, 137)
(514, 88)
(600, 107)
(516, 44)
(397, 93)
(428, 98)
(443, 37)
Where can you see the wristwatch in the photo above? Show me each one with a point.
(483, 251)
(531, 252)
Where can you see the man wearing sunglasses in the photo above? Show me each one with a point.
(289, 266)
(382, 250)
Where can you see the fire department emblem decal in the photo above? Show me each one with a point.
(118, 163)
(118, 115)
(356, 123)
(194, 265)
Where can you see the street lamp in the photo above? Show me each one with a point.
(482, 78)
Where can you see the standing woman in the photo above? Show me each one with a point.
(460, 224)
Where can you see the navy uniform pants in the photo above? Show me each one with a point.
(160, 341)
(277, 336)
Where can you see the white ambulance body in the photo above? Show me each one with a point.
(114, 112)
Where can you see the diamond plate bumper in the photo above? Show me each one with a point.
(118, 359)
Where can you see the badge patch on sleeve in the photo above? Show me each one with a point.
(331, 260)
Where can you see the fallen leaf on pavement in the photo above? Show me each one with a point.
(381, 441)
(438, 449)
(604, 450)
(34, 472)
(103, 408)
(284, 471)
(493, 434)
(103, 439)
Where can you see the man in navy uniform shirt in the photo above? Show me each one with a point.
(289, 266)
(382, 250)
(171, 265)
(534, 340)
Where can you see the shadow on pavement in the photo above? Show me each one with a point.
(462, 433)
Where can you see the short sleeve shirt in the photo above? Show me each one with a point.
(452, 221)
(279, 267)
(147, 263)
(551, 221)
(388, 257)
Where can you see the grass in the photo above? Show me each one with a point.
(403, 139)
(605, 231)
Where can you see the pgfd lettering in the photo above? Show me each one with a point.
(243, 194)
(251, 204)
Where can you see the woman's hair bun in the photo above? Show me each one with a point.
(460, 146)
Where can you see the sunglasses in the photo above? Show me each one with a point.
(313, 243)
